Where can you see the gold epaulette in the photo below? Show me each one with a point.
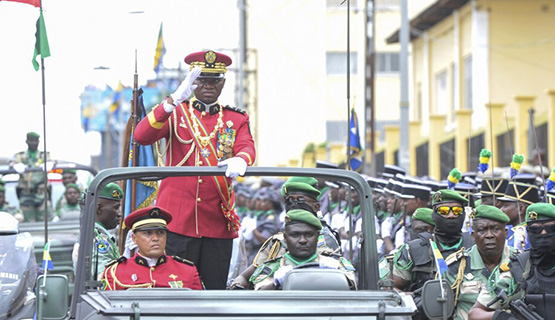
(179, 259)
(504, 266)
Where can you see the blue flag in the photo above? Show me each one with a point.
(355, 149)
(160, 51)
(145, 191)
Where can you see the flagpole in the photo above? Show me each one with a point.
(45, 154)
(348, 162)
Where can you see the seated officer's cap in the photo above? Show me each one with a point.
(305, 185)
(300, 215)
(149, 218)
(540, 211)
(111, 191)
(447, 195)
(424, 215)
(213, 64)
(490, 212)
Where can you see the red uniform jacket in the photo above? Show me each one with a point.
(194, 202)
(169, 272)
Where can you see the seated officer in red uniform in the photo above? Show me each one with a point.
(199, 131)
(150, 266)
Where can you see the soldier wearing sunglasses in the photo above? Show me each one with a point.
(528, 276)
(414, 263)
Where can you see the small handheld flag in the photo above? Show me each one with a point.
(440, 262)
(46, 259)
(518, 159)
(551, 180)
(485, 155)
(454, 177)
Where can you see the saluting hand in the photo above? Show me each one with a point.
(184, 90)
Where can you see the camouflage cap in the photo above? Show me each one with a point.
(540, 211)
(447, 195)
(111, 191)
(490, 212)
(300, 215)
(424, 215)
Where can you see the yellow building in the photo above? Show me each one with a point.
(479, 70)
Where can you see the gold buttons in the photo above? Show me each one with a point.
(199, 180)
(199, 200)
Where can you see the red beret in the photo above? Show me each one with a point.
(210, 61)
(148, 218)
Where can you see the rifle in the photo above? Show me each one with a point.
(523, 311)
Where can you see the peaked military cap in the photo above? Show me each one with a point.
(522, 189)
(111, 191)
(424, 215)
(32, 134)
(493, 186)
(550, 197)
(300, 215)
(411, 191)
(390, 171)
(376, 184)
(434, 185)
(213, 64)
(540, 211)
(149, 218)
(447, 195)
(490, 212)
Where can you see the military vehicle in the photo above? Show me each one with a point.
(313, 299)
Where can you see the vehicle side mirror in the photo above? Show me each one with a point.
(435, 304)
(55, 303)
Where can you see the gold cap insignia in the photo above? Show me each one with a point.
(287, 219)
(116, 194)
(437, 197)
(533, 215)
(155, 212)
(473, 213)
(210, 58)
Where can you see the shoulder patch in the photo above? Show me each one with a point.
(504, 266)
(113, 262)
(179, 259)
(241, 111)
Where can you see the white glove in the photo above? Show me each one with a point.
(129, 245)
(19, 167)
(328, 263)
(49, 165)
(279, 275)
(235, 167)
(185, 89)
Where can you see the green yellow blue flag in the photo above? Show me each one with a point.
(46, 259)
(160, 51)
(440, 262)
(41, 42)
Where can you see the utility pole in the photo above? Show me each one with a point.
(369, 72)
(242, 4)
(403, 152)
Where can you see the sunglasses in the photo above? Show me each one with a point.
(444, 210)
(538, 228)
(211, 81)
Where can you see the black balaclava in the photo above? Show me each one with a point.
(448, 231)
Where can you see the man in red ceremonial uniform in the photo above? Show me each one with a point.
(150, 267)
(201, 132)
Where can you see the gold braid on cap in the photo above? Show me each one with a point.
(217, 67)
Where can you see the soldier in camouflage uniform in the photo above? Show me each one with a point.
(69, 209)
(301, 233)
(31, 188)
(5, 206)
(68, 176)
(467, 277)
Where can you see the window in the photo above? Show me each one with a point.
(442, 99)
(467, 82)
(336, 63)
(387, 62)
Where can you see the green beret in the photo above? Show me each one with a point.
(424, 215)
(448, 195)
(73, 185)
(33, 135)
(2, 188)
(478, 202)
(300, 215)
(300, 187)
(309, 180)
(2, 182)
(111, 191)
(540, 211)
(490, 212)
(73, 171)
